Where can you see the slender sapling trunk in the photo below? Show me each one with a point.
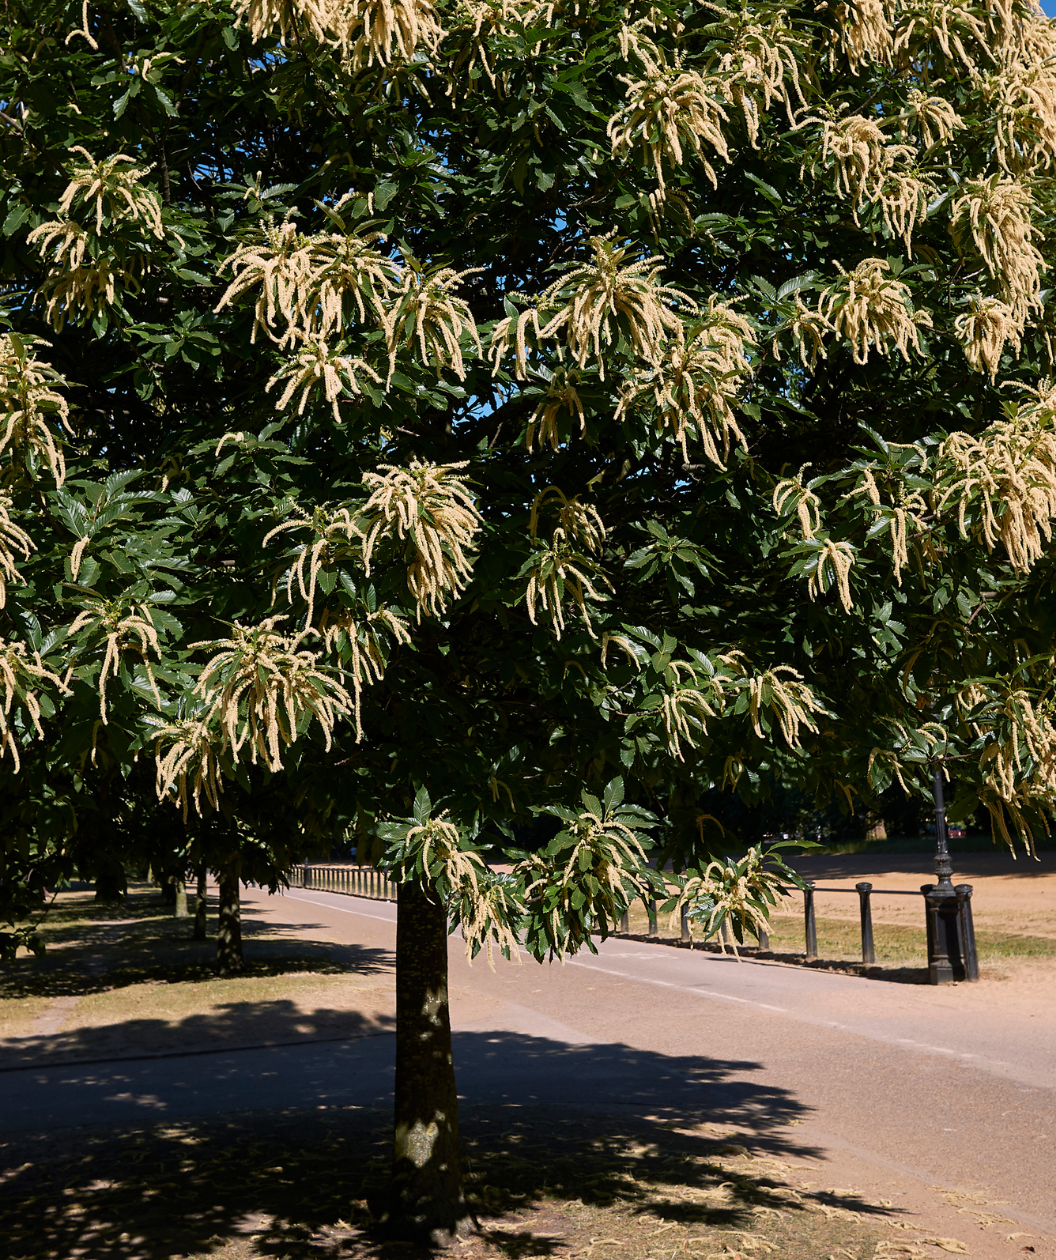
(180, 910)
(427, 1197)
(200, 907)
(229, 926)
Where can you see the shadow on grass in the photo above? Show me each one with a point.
(554, 1137)
(95, 948)
(230, 1026)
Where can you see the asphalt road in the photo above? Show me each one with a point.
(895, 1087)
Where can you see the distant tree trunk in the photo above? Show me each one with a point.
(875, 828)
(229, 926)
(200, 907)
(180, 910)
(110, 883)
(427, 1197)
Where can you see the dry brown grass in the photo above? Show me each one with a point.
(127, 980)
(899, 940)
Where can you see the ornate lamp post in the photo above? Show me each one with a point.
(951, 933)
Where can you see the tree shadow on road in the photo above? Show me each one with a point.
(560, 1142)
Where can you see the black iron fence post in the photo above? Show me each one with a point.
(967, 927)
(868, 953)
(810, 921)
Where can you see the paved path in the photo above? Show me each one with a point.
(895, 1089)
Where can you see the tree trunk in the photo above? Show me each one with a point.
(200, 907)
(427, 1199)
(180, 910)
(229, 926)
(875, 828)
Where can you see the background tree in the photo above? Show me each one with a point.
(445, 412)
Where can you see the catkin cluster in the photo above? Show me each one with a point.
(1006, 478)
(364, 32)
(429, 510)
(256, 692)
(581, 310)
(29, 398)
(84, 270)
(564, 564)
(21, 672)
(696, 384)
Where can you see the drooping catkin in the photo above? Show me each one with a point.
(313, 364)
(187, 763)
(123, 626)
(1021, 89)
(985, 329)
(783, 691)
(752, 63)
(83, 276)
(365, 32)
(873, 310)
(697, 383)
(996, 215)
(791, 493)
(1006, 478)
(429, 509)
(669, 111)
(29, 397)
(113, 188)
(309, 285)
(583, 307)
(21, 672)
(427, 311)
(864, 32)
(603, 846)
(258, 685)
(565, 564)
(13, 539)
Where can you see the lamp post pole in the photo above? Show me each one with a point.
(941, 898)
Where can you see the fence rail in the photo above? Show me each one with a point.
(353, 880)
(949, 915)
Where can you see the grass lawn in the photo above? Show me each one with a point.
(899, 947)
(128, 979)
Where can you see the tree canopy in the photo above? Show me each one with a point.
(491, 403)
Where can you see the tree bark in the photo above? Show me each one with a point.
(229, 926)
(200, 907)
(427, 1198)
(180, 910)
(875, 828)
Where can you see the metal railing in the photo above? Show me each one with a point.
(954, 915)
(352, 880)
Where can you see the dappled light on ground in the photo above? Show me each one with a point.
(542, 1181)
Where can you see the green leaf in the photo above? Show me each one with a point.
(613, 795)
(423, 806)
